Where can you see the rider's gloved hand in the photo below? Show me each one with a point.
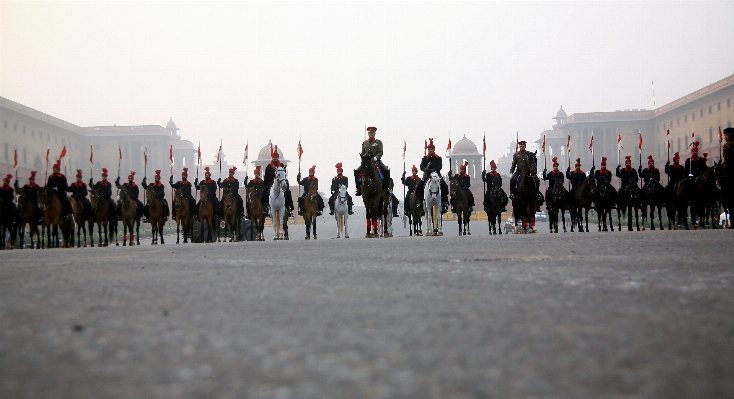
(298, 177)
(90, 181)
(374, 159)
(145, 180)
(196, 180)
(117, 181)
(403, 175)
(219, 181)
(568, 169)
(170, 179)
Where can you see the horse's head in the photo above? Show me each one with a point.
(44, 196)
(633, 190)
(204, 194)
(149, 194)
(93, 198)
(653, 184)
(453, 186)
(559, 193)
(434, 185)
(124, 195)
(532, 162)
(282, 178)
(593, 184)
(178, 199)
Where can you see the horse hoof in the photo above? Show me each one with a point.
(643, 229)
(346, 236)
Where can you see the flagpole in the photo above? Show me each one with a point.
(219, 156)
(484, 171)
(48, 150)
(405, 219)
(667, 144)
(91, 161)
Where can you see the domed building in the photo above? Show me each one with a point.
(264, 156)
(466, 150)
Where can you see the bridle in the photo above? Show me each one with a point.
(342, 198)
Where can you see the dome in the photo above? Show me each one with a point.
(171, 125)
(561, 113)
(465, 147)
(264, 154)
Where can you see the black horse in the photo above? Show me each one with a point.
(629, 199)
(558, 200)
(494, 203)
(653, 196)
(605, 199)
(525, 201)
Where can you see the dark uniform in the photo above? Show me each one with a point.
(306, 183)
(104, 191)
(410, 184)
(257, 185)
(79, 193)
(494, 180)
(211, 188)
(553, 178)
(373, 147)
(676, 172)
(695, 166)
(133, 191)
(648, 173)
(577, 178)
(464, 181)
(185, 187)
(159, 190)
(434, 163)
(234, 185)
(57, 182)
(7, 198)
(335, 183)
(626, 176)
(30, 190)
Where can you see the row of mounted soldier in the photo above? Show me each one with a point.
(690, 185)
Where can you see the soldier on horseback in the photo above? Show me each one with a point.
(464, 181)
(160, 193)
(57, 182)
(554, 177)
(519, 162)
(576, 177)
(433, 163)
(695, 165)
(256, 184)
(335, 182)
(676, 171)
(104, 189)
(410, 184)
(269, 179)
(626, 174)
(185, 186)
(648, 173)
(79, 193)
(306, 183)
(30, 189)
(7, 197)
(494, 180)
(372, 146)
(132, 190)
(234, 185)
(211, 188)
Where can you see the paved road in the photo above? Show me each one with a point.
(595, 315)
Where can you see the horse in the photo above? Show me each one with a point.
(51, 206)
(583, 202)
(654, 196)
(557, 201)
(432, 205)
(341, 214)
(207, 217)
(255, 212)
(30, 214)
(605, 199)
(386, 219)
(81, 222)
(155, 215)
(231, 215)
(277, 204)
(310, 210)
(525, 200)
(9, 220)
(461, 206)
(184, 218)
(376, 202)
(494, 203)
(415, 212)
(630, 199)
(703, 199)
(725, 181)
(104, 216)
(131, 216)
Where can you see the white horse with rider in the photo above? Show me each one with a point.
(432, 205)
(277, 205)
(341, 211)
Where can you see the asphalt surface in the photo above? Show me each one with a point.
(592, 315)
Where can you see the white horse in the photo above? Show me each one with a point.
(340, 211)
(432, 205)
(277, 204)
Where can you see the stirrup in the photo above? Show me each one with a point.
(351, 212)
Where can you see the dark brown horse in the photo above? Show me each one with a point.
(30, 214)
(630, 199)
(104, 217)
(583, 203)
(131, 216)
(557, 205)
(231, 214)
(255, 211)
(374, 197)
(51, 206)
(184, 218)
(415, 213)
(207, 217)
(310, 210)
(155, 215)
(461, 206)
(654, 196)
(526, 198)
(702, 200)
(81, 222)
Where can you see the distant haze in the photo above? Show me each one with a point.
(322, 71)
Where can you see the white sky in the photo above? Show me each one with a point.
(322, 71)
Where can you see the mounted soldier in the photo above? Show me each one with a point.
(494, 180)
(410, 183)
(372, 146)
(648, 173)
(234, 185)
(676, 171)
(30, 189)
(727, 150)
(7, 197)
(554, 177)
(185, 186)
(256, 184)
(604, 175)
(626, 174)
(576, 177)
(79, 193)
(464, 181)
(306, 183)
(695, 165)
(519, 161)
(57, 182)
(132, 190)
(160, 193)
(433, 163)
(104, 189)
(211, 188)
(336, 181)
(269, 179)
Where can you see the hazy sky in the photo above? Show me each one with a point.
(322, 71)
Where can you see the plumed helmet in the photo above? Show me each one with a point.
(257, 170)
(676, 157)
(7, 178)
(464, 165)
(57, 165)
(275, 153)
(157, 174)
(555, 161)
(232, 170)
(78, 173)
(695, 147)
(338, 166)
(104, 172)
(206, 172)
(492, 164)
(312, 169)
(32, 176)
(650, 160)
(578, 163)
(131, 175)
(431, 146)
(603, 161)
(705, 155)
(628, 159)
(414, 169)
(185, 172)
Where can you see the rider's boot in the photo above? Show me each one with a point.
(331, 209)
(358, 191)
(145, 214)
(349, 209)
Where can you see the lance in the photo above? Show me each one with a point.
(48, 150)
(219, 156)
(721, 140)
(119, 162)
(545, 165)
(667, 143)
(484, 172)
(91, 161)
(145, 170)
(405, 218)
(568, 151)
(639, 165)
